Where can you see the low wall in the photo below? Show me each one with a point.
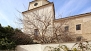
(7, 50)
(35, 47)
(42, 47)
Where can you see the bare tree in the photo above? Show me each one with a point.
(45, 25)
(61, 31)
(42, 24)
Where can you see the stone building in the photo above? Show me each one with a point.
(39, 19)
(79, 25)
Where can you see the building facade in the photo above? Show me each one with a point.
(79, 25)
(39, 19)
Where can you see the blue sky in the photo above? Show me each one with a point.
(9, 13)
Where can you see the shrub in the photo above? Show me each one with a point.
(10, 38)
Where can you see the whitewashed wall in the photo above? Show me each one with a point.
(42, 47)
(35, 47)
(45, 14)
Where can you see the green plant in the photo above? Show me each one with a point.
(5, 38)
(11, 37)
(58, 48)
(6, 44)
(81, 46)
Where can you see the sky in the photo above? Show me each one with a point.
(10, 9)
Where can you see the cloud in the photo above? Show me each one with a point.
(66, 8)
(4, 18)
(72, 6)
(9, 7)
(5, 21)
(80, 5)
(86, 10)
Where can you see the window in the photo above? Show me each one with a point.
(35, 4)
(78, 27)
(78, 38)
(66, 28)
(36, 31)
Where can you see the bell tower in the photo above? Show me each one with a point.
(37, 3)
(40, 14)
